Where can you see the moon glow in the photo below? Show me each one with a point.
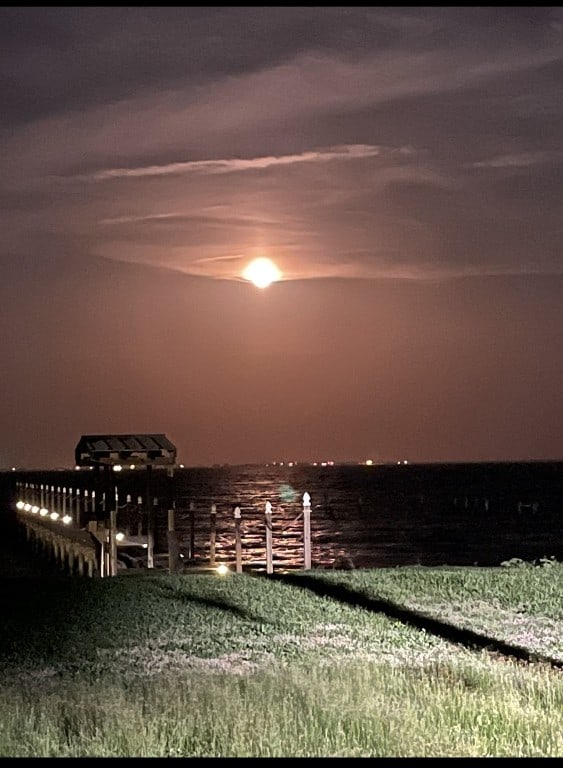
(262, 272)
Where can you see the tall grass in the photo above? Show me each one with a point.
(198, 665)
(348, 709)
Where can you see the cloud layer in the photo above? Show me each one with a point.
(363, 142)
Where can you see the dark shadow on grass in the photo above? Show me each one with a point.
(174, 593)
(447, 631)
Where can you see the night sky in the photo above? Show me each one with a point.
(403, 167)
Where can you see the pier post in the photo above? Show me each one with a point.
(77, 511)
(150, 518)
(238, 542)
(306, 531)
(192, 531)
(140, 513)
(268, 521)
(112, 534)
(173, 548)
(212, 535)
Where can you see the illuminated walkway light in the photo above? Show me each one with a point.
(222, 569)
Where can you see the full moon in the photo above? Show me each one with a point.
(261, 272)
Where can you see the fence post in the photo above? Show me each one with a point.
(238, 543)
(306, 531)
(78, 521)
(212, 535)
(269, 559)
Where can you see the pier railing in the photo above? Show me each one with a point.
(57, 523)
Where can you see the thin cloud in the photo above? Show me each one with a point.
(233, 165)
(519, 160)
(149, 218)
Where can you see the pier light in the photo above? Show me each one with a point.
(145, 546)
(222, 569)
(131, 466)
(35, 509)
(20, 504)
(54, 515)
(117, 468)
(27, 507)
(119, 536)
(67, 519)
(43, 512)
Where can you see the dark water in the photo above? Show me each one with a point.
(456, 514)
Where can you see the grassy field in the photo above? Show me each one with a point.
(385, 663)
